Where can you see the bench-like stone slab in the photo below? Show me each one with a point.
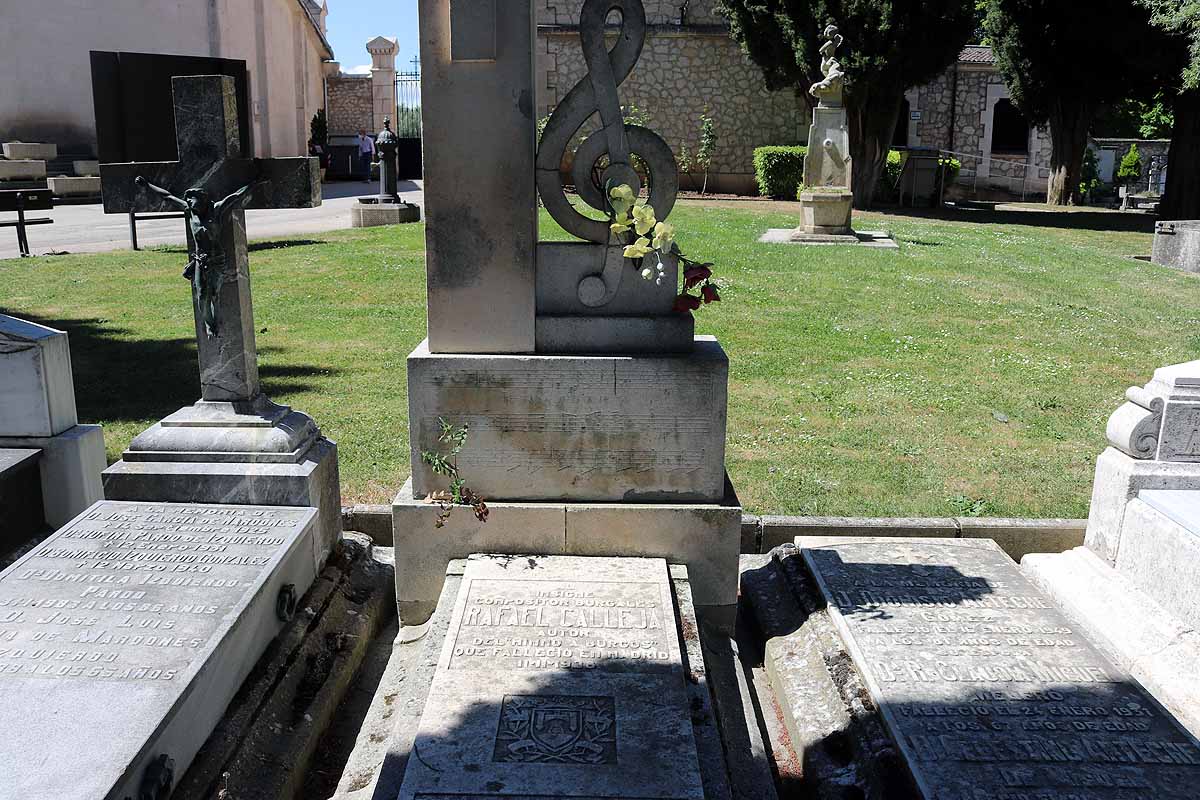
(559, 677)
(22, 170)
(987, 689)
(124, 636)
(39, 151)
(37, 394)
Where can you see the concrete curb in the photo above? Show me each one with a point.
(1017, 536)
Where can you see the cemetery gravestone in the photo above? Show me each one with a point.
(559, 677)
(986, 688)
(1177, 244)
(124, 636)
(579, 383)
(37, 411)
(234, 445)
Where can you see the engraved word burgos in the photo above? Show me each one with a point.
(616, 141)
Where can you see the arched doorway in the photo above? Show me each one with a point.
(1010, 129)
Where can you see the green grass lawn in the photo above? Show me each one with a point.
(969, 373)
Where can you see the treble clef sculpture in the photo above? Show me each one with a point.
(597, 93)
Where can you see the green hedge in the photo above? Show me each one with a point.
(779, 170)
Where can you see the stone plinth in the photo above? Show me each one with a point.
(142, 619)
(256, 453)
(559, 677)
(1177, 244)
(22, 170)
(70, 465)
(20, 497)
(580, 428)
(74, 186)
(983, 686)
(370, 215)
(36, 151)
(704, 537)
(825, 213)
(480, 201)
(86, 168)
(37, 395)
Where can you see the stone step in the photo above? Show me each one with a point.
(1128, 625)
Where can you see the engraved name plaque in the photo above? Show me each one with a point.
(560, 677)
(988, 690)
(124, 636)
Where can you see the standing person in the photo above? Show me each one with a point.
(366, 153)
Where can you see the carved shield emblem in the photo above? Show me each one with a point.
(556, 728)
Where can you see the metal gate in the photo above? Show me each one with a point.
(408, 121)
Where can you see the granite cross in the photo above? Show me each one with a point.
(210, 158)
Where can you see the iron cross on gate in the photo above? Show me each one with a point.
(212, 183)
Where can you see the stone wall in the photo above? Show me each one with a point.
(683, 71)
(350, 104)
(1147, 149)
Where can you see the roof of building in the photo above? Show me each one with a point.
(312, 11)
(977, 54)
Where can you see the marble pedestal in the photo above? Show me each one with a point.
(825, 213)
(706, 537)
(368, 214)
(253, 453)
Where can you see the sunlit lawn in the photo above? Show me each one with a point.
(969, 373)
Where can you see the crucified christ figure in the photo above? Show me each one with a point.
(207, 257)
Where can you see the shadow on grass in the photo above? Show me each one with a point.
(1071, 220)
(279, 244)
(120, 379)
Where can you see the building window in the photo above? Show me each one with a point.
(1010, 130)
(900, 137)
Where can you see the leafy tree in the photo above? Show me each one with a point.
(1133, 118)
(707, 148)
(890, 46)
(1181, 20)
(1090, 181)
(1065, 59)
(318, 129)
(1130, 168)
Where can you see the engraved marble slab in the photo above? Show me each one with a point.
(560, 677)
(583, 428)
(989, 691)
(125, 635)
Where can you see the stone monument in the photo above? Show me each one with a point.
(826, 198)
(1177, 244)
(596, 418)
(234, 445)
(386, 208)
(37, 412)
(125, 635)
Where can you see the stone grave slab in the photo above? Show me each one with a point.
(37, 396)
(985, 686)
(124, 636)
(559, 677)
(1177, 244)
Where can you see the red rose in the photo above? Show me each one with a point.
(686, 302)
(695, 275)
(709, 292)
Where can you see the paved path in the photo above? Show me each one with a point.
(87, 229)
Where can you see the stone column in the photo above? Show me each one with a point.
(383, 79)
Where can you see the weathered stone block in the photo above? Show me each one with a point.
(704, 538)
(37, 394)
(86, 167)
(1160, 550)
(580, 428)
(1177, 244)
(71, 465)
(23, 170)
(74, 186)
(825, 213)
(164, 612)
(674, 333)
(482, 209)
(370, 215)
(37, 151)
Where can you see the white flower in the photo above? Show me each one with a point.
(647, 273)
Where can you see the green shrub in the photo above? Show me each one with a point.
(779, 170)
(1131, 166)
(949, 169)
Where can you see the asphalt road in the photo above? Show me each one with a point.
(87, 229)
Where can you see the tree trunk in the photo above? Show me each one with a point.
(871, 114)
(1069, 122)
(1182, 197)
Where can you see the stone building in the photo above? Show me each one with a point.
(362, 101)
(689, 64)
(46, 93)
(967, 111)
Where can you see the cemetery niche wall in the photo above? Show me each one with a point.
(596, 416)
